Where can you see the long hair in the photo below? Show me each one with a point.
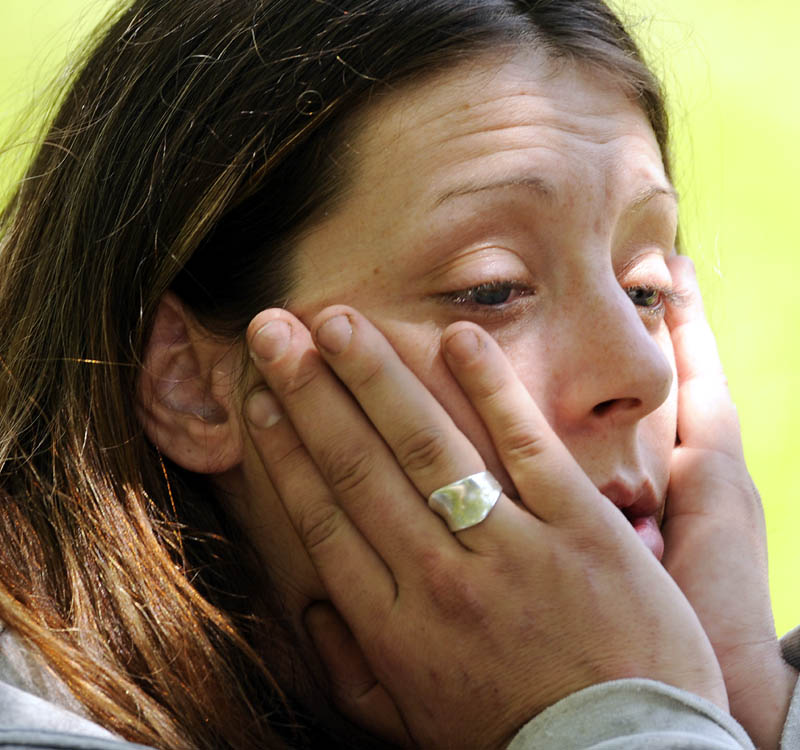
(195, 141)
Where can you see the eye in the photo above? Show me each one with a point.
(489, 294)
(646, 296)
(652, 301)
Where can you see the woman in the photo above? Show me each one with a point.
(428, 161)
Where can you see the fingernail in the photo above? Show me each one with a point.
(271, 340)
(463, 346)
(334, 334)
(263, 410)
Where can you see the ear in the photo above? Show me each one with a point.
(186, 392)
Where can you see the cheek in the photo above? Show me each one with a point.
(420, 350)
(659, 429)
(656, 443)
(669, 408)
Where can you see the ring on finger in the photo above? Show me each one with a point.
(467, 502)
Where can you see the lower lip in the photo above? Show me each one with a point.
(648, 531)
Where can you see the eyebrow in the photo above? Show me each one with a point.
(645, 195)
(537, 184)
(547, 190)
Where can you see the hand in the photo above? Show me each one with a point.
(467, 635)
(715, 540)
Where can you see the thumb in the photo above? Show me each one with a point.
(354, 689)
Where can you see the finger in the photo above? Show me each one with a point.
(428, 446)
(354, 576)
(706, 415)
(349, 454)
(549, 481)
(354, 689)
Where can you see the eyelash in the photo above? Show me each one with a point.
(467, 297)
(666, 296)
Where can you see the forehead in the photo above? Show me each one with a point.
(511, 116)
(433, 157)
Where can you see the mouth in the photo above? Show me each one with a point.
(642, 507)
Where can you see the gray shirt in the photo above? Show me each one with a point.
(37, 711)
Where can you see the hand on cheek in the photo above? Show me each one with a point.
(715, 540)
(455, 639)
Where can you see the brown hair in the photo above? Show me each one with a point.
(195, 141)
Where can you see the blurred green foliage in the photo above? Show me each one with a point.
(733, 93)
(735, 109)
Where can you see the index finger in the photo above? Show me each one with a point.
(351, 456)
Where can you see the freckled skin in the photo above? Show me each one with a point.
(575, 338)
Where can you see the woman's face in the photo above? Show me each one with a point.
(534, 203)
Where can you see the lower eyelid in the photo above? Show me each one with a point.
(462, 305)
(655, 313)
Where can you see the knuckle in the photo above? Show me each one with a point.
(454, 591)
(521, 442)
(347, 470)
(287, 456)
(372, 370)
(460, 601)
(433, 563)
(318, 524)
(306, 374)
(489, 387)
(421, 450)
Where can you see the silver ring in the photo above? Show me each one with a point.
(466, 502)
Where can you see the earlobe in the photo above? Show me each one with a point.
(185, 392)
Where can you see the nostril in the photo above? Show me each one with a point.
(602, 409)
(616, 404)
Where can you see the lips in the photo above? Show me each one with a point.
(642, 507)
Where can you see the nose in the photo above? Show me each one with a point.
(617, 371)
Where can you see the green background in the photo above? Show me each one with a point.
(729, 71)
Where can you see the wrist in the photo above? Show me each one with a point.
(761, 703)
